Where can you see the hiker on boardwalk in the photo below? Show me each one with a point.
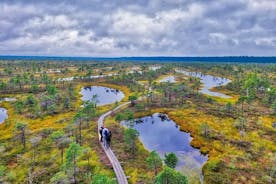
(105, 133)
(101, 133)
(108, 138)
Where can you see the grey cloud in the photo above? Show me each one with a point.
(123, 28)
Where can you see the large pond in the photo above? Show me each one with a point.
(158, 133)
(101, 95)
(170, 79)
(209, 82)
(3, 115)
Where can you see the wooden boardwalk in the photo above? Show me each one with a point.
(121, 177)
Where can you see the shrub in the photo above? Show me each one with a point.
(102, 178)
(2, 170)
(171, 160)
(131, 136)
(170, 176)
(154, 161)
(214, 165)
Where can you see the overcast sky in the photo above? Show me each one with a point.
(138, 27)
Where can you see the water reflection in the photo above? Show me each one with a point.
(66, 79)
(7, 99)
(154, 68)
(159, 133)
(3, 115)
(209, 82)
(170, 79)
(101, 95)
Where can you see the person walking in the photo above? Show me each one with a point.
(105, 133)
(108, 138)
(101, 133)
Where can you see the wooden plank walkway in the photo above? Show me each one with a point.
(121, 177)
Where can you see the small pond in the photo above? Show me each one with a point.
(101, 95)
(7, 99)
(158, 133)
(66, 79)
(209, 81)
(170, 79)
(134, 71)
(154, 68)
(3, 115)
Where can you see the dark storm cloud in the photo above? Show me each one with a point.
(124, 28)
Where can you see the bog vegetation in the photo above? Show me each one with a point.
(50, 135)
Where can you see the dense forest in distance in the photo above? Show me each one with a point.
(230, 59)
(218, 118)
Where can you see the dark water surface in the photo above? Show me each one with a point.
(209, 82)
(101, 95)
(3, 115)
(164, 136)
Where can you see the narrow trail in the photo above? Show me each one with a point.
(121, 177)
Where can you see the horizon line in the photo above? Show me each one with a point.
(156, 56)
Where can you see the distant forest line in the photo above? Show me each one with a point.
(227, 59)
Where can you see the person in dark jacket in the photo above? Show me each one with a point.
(108, 138)
(101, 133)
